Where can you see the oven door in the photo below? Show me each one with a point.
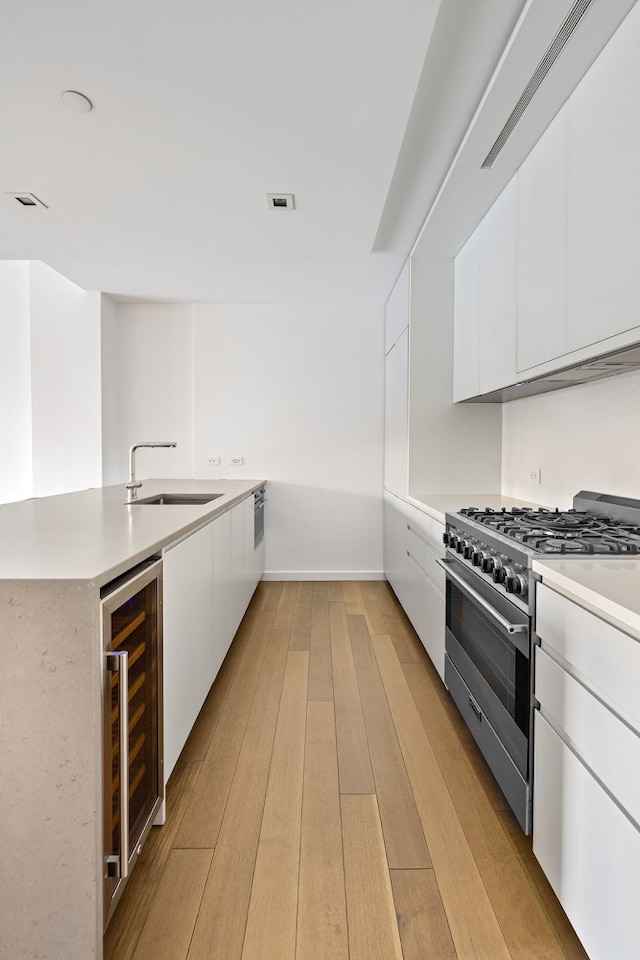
(488, 669)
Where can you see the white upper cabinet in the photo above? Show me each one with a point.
(542, 248)
(466, 329)
(485, 303)
(603, 281)
(498, 298)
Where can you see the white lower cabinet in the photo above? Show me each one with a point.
(187, 637)
(586, 800)
(244, 566)
(223, 629)
(209, 579)
(587, 847)
(413, 542)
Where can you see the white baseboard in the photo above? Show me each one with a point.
(323, 575)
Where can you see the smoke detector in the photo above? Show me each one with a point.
(280, 201)
(26, 199)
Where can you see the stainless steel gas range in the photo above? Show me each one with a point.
(490, 609)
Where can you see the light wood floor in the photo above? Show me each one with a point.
(331, 805)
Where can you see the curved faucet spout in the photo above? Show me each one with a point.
(133, 484)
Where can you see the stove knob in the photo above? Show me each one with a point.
(445, 539)
(497, 571)
(517, 584)
(460, 545)
(486, 562)
(476, 557)
(468, 550)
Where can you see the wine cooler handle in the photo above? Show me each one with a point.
(118, 662)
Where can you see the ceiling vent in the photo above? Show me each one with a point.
(280, 201)
(554, 50)
(27, 200)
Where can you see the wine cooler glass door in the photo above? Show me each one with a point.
(133, 780)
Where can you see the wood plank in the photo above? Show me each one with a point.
(271, 924)
(301, 626)
(334, 590)
(474, 927)
(352, 597)
(571, 946)
(354, 764)
(286, 606)
(266, 596)
(371, 917)
(376, 623)
(424, 929)
(320, 667)
(403, 836)
(219, 930)
(203, 814)
(322, 921)
(170, 923)
(529, 934)
(199, 740)
(124, 929)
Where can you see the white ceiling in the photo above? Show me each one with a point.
(202, 107)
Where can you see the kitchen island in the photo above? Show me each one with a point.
(56, 554)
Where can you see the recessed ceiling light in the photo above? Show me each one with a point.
(280, 201)
(76, 101)
(27, 199)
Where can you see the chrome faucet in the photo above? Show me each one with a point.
(133, 484)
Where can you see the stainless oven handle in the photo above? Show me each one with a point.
(477, 598)
(118, 662)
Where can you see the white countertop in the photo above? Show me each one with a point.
(94, 535)
(608, 587)
(437, 504)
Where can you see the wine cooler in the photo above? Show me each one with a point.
(133, 774)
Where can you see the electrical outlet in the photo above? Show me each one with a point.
(236, 461)
(213, 461)
(536, 475)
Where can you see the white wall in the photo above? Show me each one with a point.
(453, 448)
(147, 388)
(65, 383)
(583, 437)
(298, 392)
(15, 382)
(50, 425)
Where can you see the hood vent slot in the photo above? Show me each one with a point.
(556, 47)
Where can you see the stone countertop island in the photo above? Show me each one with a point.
(55, 555)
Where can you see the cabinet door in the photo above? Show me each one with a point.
(466, 329)
(588, 849)
(238, 592)
(248, 539)
(396, 422)
(222, 616)
(188, 637)
(603, 284)
(498, 297)
(389, 540)
(542, 248)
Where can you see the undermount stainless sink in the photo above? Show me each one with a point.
(177, 499)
